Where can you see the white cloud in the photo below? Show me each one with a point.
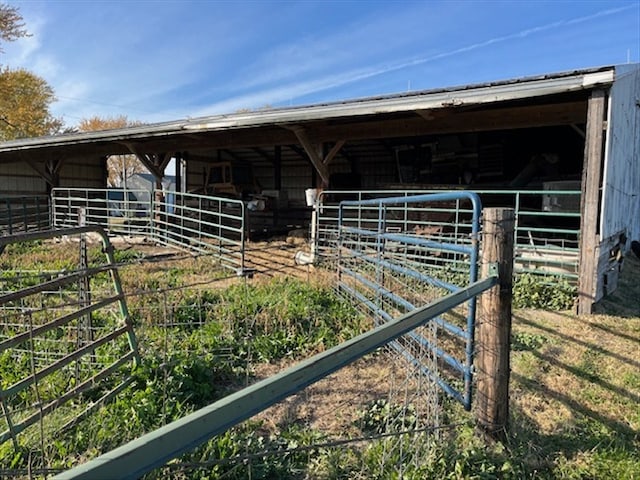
(288, 72)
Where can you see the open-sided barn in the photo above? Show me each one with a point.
(568, 131)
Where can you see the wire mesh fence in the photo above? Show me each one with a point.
(66, 341)
(203, 333)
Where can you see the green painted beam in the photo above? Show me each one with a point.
(156, 448)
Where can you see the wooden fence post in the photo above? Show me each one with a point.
(494, 323)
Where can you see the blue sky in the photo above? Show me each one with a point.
(165, 60)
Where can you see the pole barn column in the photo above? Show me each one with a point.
(590, 201)
(494, 324)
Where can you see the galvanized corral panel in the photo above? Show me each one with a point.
(621, 182)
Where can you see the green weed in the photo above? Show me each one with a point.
(543, 292)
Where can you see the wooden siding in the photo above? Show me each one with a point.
(621, 186)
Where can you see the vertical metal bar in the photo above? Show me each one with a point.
(517, 222)
(107, 248)
(471, 312)
(242, 236)
(8, 201)
(380, 242)
(25, 220)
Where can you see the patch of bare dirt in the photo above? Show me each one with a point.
(277, 257)
(333, 405)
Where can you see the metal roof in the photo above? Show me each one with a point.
(519, 88)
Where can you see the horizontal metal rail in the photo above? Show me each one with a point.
(544, 230)
(66, 397)
(205, 225)
(34, 327)
(154, 449)
(24, 213)
(213, 226)
(115, 210)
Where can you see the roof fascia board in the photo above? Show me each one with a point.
(467, 95)
(475, 96)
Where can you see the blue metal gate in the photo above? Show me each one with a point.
(390, 264)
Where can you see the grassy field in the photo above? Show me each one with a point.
(574, 392)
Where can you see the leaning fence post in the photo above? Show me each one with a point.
(494, 323)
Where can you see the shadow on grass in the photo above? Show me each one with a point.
(618, 429)
(576, 365)
(577, 341)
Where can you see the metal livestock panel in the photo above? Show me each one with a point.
(203, 224)
(547, 227)
(19, 214)
(71, 325)
(389, 268)
(140, 456)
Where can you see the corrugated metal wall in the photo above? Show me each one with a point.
(21, 179)
(621, 181)
(83, 174)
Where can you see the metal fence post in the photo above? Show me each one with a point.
(494, 323)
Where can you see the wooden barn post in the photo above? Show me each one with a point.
(590, 201)
(494, 323)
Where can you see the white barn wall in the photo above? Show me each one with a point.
(621, 177)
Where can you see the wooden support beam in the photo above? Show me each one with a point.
(49, 170)
(578, 130)
(334, 151)
(494, 323)
(590, 202)
(156, 163)
(314, 152)
(457, 121)
(42, 171)
(301, 153)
